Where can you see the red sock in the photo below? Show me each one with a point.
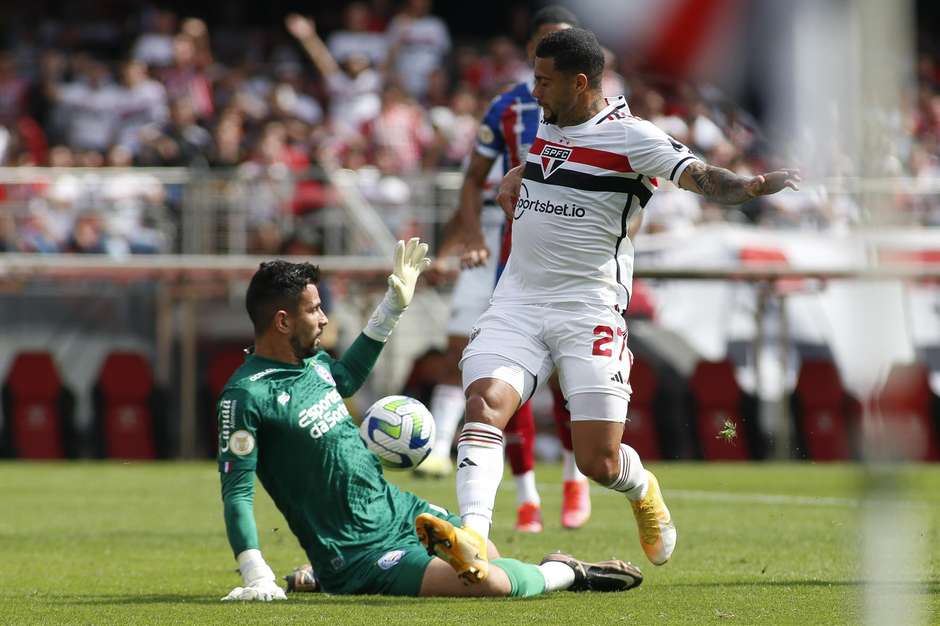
(562, 420)
(520, 440)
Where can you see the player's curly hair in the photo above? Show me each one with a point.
(575, 51)
(275, 286)
(552, 14)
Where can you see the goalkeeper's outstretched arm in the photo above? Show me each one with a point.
(350, 371)
(238, 494)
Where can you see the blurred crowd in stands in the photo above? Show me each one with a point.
(388, 94)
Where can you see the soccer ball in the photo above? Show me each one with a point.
(399, 430)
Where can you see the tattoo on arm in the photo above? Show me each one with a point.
(718, 184)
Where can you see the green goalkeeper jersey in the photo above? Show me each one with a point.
(289, 424)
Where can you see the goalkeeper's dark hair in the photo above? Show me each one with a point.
(552, 14)
(277, 285)
(575, 51)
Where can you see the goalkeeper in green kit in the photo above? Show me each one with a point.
(282, 417)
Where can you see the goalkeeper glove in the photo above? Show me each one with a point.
(410, 260)
(258, 578)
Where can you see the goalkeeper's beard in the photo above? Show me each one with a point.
(302, 349)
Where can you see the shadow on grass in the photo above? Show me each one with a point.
(929, 586)
(298, 600)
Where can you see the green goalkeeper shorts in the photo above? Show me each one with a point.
(395, 569)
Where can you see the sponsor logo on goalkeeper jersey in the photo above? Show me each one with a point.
(566, 210)
(226, 411)
(322, 416)
(261, 374)
(390, 559)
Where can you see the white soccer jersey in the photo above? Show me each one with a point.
(580, 188)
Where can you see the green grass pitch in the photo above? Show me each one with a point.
(135, 543)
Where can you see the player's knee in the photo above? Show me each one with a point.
(601, 468)
(497, 586)
(489, 404)
(480, 410)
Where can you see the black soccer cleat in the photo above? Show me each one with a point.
(613, 575)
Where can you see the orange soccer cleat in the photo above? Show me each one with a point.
(529, 518)
(575, 504)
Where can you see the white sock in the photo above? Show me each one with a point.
(632, 479)
(569, 467)
(557, 575)
(479, 472)
(447, 405)
(525, 488)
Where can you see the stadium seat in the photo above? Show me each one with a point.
(640, 430)
(717, 399)
(37, 409)
(823, 412)
(908, 408)
(128, 420)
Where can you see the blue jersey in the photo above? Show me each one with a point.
(508, 130)
(509, 126)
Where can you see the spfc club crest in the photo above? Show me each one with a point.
(552, 157)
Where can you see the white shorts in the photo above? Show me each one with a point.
(586, 343)
(475, 286)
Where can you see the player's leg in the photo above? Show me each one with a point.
(447, 407)
(440, 580)
(520, 448)
(576, 498)
(617, 466)
(500, 368)
(509, 577)
(589, 345)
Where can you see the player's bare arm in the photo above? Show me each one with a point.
(463, 233)
(725, 187)
(509, 191)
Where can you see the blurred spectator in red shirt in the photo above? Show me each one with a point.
(400, 129)
(185, 79)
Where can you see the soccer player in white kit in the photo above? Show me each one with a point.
(569, 275)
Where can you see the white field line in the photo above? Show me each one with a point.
(757, 498)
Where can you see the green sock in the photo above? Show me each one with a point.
(525, 579)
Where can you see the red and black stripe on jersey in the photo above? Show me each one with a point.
(574, 179)
(602, 159)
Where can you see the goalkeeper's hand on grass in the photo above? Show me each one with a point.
(258, 579)
(261, 591)
(410, 260)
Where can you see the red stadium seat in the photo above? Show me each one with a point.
(717, 400)
(221, 367)
(35, 419)
(640, 430)
(822, 411)
(906, 405)
(125, 419)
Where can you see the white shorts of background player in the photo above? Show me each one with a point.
(521, 344)
(475, 286)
